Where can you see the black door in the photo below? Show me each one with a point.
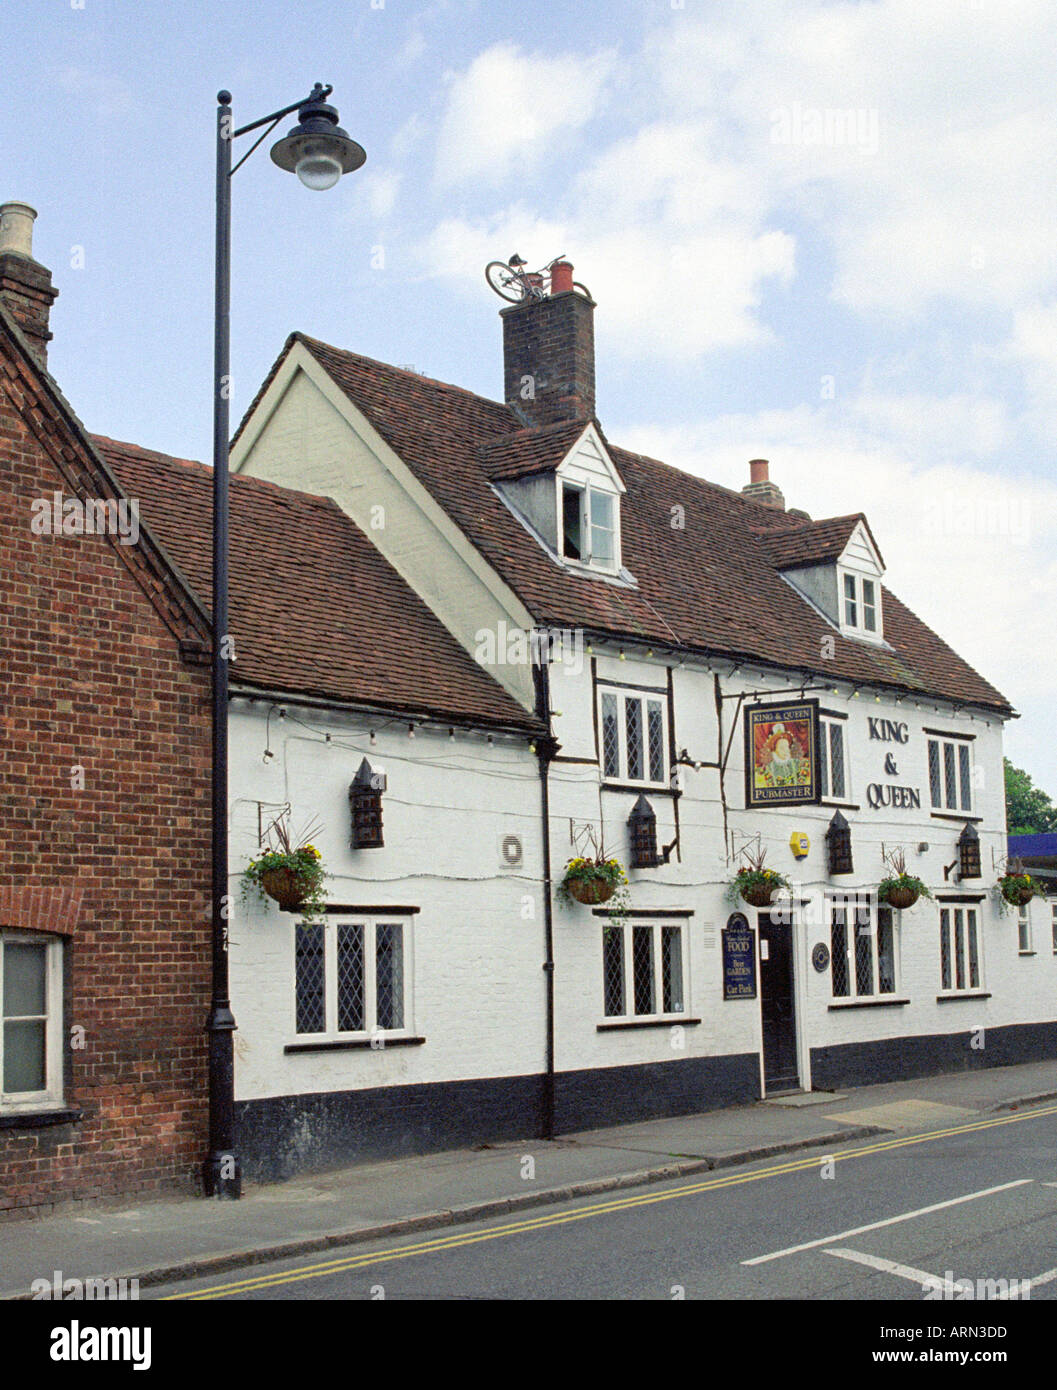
(777, 1006)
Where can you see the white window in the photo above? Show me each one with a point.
(352, 976)
(643, 970)
(860, 600)
(31, 1035)
(633, 733)
(950, 774)
(589, 526)
(864, 948)
(833, 760)
(1024, 929)
(959, 949)
(1053, 927)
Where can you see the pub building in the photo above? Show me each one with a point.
(730, 677)
(549, 648)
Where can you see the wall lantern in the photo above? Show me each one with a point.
(838, 845)
(969, 853)
(365, 803)
(643, 824)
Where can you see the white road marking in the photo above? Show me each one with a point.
(891, 1221)
(1046, 1278)
(916, 1276)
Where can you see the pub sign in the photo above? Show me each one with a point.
(782, 754)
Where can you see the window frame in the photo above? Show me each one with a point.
(954, 911)
(1025, 938)
(1053, 923)
(626, 932)
(585, 491)
(857, 623)
(963, 773)
(370, 923)
(622, 777)
(852, 904)
(52, 1096)
(825, 738)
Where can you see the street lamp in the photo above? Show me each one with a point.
(319, 152)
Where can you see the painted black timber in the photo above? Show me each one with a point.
(903, 1059)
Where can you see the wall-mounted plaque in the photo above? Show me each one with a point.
(820, 956)
(739, 958)
(782, 754)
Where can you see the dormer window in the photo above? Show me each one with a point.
(860, 604)
(561, 484)
(588, 526)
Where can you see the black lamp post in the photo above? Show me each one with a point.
(319, 152)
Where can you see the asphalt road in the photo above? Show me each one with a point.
(874, 1220)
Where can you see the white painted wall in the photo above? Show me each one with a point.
(478, 939)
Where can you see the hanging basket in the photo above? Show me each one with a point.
(759, 894)
(284, 885)
(901, 898)
(1017, 893)
(590, 890)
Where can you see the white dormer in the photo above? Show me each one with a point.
(570, 501)
(859, 572)
(587, 497)
(836, 565)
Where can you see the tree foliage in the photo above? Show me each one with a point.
(1029, 811)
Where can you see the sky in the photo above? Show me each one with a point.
(819, 233)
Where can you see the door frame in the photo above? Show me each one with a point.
(800, 1049)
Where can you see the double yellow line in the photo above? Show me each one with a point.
(643, 1199)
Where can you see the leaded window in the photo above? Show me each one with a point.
(633, 731)
(959, 949)
(352, 976)
(950, 775)
(864, 947)
(643, 969)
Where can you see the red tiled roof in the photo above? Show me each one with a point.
(315, 609)
(809, 542)
(710, 584)
(529, 450)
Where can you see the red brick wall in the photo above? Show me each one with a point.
(90, 674)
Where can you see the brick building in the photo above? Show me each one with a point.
(104, 782)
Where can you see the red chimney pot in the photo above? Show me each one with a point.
(561, 278)
(758, 470)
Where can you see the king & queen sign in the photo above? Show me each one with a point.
(782, 754)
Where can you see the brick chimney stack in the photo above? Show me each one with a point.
(760, 489)
(549, 354)
(25, 286)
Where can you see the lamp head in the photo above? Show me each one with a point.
(317, 150)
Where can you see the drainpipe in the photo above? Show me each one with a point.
(546, 751)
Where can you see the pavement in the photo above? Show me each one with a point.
(161, 1240)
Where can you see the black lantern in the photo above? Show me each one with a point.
(643, 824)
(365, 802)
(969, 852)
(838, 845)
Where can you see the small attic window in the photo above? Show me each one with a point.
(589, 533)
(860, 605)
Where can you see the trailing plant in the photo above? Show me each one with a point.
(288, 868)
(753, 881)
(1017, 887)
(899, 883)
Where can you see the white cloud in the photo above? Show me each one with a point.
(507, 107)
(941, 193)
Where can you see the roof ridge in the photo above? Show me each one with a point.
(308, 340)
